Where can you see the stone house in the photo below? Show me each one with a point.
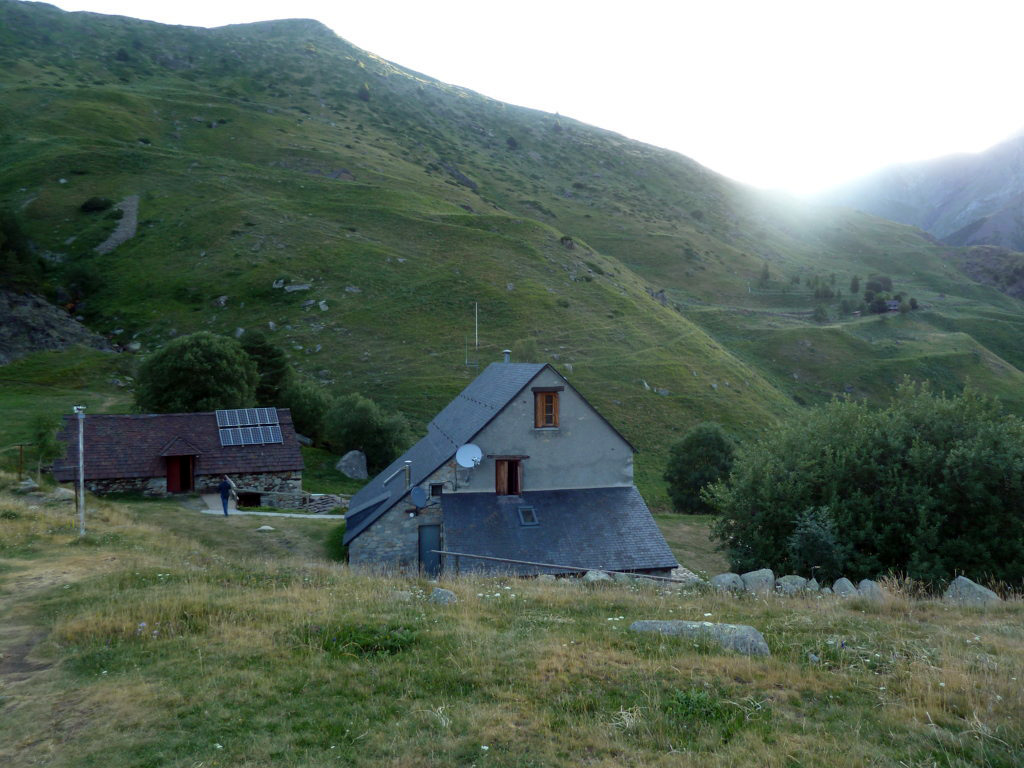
(552, 488)
(163, 453)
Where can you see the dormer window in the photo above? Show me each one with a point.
(545, 407)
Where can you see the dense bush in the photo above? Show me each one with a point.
(309, 404)
(929, 486)
(200, 372)
(704, 455)
(271, 364)
(357, 423)
(94, 204)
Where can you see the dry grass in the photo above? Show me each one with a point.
(168, 648)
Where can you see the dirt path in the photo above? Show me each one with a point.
(126, 227)
(20, 636)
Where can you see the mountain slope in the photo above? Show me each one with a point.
(288, 180)
(961, 199)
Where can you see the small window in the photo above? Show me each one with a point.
(508, 477)
(545, 411)
(436, 489)
(528, 516)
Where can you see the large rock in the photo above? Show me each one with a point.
(965, 592)
(591, 576)
(812, 585)
(790, 585)
(734, 637)
(353, 464)
(844, 588)
(871, 590)
(727, 582)
(443, 596)
(688, 577)
(28, 485)
(759, 582)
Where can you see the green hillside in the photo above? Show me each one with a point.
(278, 154)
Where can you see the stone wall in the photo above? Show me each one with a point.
(393, 542)
(278, 489)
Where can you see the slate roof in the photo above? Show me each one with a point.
(592, 528)
(134, 445)
(470, 411)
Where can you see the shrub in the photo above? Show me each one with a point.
(813, 546)
(271, 365)
(94, 204)
(309, 404)
(929, 486)
(199, 372)
(704, 455)
(357, 423)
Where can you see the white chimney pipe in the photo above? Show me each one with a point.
(508, 355)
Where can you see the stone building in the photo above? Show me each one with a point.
(552, 488)
(163, 453)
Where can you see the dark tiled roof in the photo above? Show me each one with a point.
(593, 528)
(470, 411)
(134, 446)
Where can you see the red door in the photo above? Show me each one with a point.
(179, 474)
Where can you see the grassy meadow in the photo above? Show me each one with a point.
(171, 638)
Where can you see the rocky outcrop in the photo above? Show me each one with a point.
(734, 637)
(29, 323)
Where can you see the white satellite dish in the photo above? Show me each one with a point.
(468, 456)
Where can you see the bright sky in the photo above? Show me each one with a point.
(796, 95)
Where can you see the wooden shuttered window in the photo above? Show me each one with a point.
(508, 477)
(545, 409)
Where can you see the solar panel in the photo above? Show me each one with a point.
(249, 426)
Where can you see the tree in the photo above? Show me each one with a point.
(701, 457)
(929, 486)
(43, 429)
(355, 422)
(820, 314)
(855, 285)
(309, 404)
(200, 372)
(271, 364)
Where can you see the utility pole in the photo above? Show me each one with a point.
(80, 412)
(476, 323)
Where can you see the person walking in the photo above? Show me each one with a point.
(227, 490)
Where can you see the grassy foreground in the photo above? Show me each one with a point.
(169, 638)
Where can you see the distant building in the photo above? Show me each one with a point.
(165, 453)
(554, 485)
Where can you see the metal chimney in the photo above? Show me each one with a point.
(508, 355)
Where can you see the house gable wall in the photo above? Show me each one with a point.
(584, 451)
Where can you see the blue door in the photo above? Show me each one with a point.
(430, 539)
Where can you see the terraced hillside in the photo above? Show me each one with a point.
(288, 180)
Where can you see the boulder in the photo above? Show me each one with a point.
(844, 588)
(353, 464)
(546, 577)
(299, 287)
(687, 576)
(759, 582)
(790, 585)
(443, 596)
(591, 576)
(827, 591)
(871, 590)
(965, 592)
(812, 585)
(734, 637)
(727, 582)
(264, 529)
(62, 495)
(28, 485)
